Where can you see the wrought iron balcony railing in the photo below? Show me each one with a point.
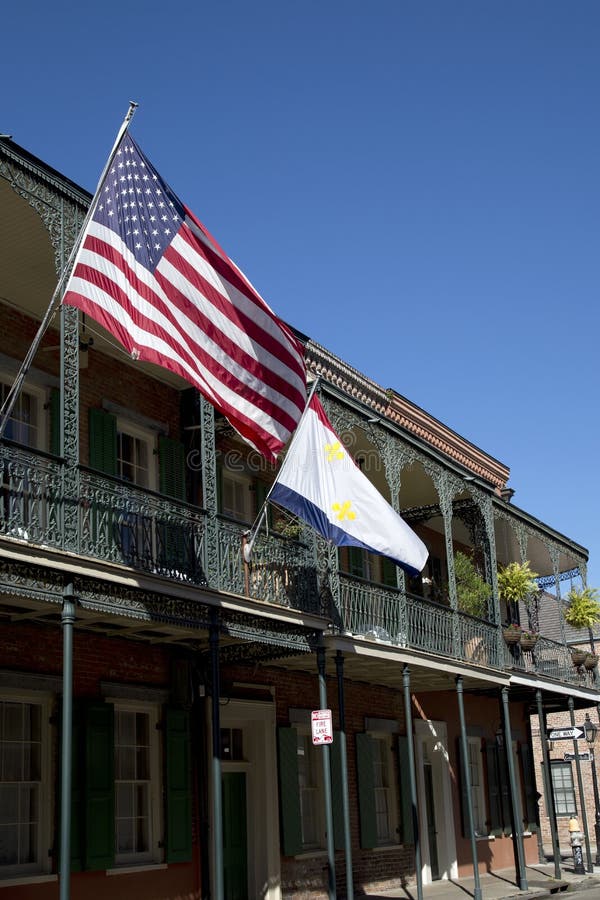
(385, 614)
(282, 571)
(121, 523)
(549, 658)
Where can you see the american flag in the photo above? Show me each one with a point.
(153, 276)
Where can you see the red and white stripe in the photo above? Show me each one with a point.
(198, 316)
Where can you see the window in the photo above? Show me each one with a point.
(137, 784)
(24, 805)
(385, 790)
(475, 762)
(27, 421)
(311, 794)
(563, 788)
(237, 497)
(135, 455)
(377, 787)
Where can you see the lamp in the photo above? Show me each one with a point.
(590, 730)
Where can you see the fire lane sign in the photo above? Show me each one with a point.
(321, 726)
(565, 734)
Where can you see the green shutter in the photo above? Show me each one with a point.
(356, 562)
(388, 572)
(99, 787)
(103, 441)
(531, 793)
(337, 790)
(289, 791)
(505, 799)
(179, 788)
(171, 456)
(55, 421)
(365, 771)
(408, 814)
(77, 751)
(462, 779)
(493, 787)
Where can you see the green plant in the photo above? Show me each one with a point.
(583, 610)
(472, 591)
(516, 582)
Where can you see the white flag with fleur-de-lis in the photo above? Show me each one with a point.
(320, 482)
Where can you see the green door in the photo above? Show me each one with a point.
(235, 850)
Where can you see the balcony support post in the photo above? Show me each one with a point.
(321, 665)
(413, 779)
(339, 666)
(582, 799)
(468, 791)
(69, 412)
(209, 488)
(218, 881)
(515, 805)
(548, 790)
(67, 621)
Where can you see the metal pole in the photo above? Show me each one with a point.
(413, 779)
(596, 805)
(586, 834)
(339, 665)
(548, 790)
(327, 780)
(467, 782)
(216, 759)
(68, 620)
(517, 810)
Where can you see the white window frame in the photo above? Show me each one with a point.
(154, 853)
(386, 786)
(148, 437)
(242, 482)
(316, 790)
(567, 793)
(41, 396)
(42, 862)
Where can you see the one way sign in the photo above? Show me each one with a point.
(563, 734)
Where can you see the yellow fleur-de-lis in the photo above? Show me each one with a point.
(334, 451)
(343, 510)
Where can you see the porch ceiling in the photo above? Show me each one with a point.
(28, 278)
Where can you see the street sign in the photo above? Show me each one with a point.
(321, 726)
(585, 755)
(564, 734)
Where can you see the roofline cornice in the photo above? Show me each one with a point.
(408, 416)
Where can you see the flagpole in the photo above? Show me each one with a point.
(11, 397)
(251, 535)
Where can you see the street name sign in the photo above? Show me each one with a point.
(584, 755)
(565, 734)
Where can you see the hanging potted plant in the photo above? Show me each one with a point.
(590, 662)
(517, 584)
(528, 640)
(583, 611)
(512, 633)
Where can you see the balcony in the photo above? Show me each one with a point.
(119, 523)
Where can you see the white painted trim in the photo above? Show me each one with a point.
(257, 719)
(434, 736)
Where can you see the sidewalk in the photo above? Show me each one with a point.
(501, 885)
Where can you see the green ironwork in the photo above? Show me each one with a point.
(121, 523)
(515, 796)
(209, 488)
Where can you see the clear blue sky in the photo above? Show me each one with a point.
(413, 184)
